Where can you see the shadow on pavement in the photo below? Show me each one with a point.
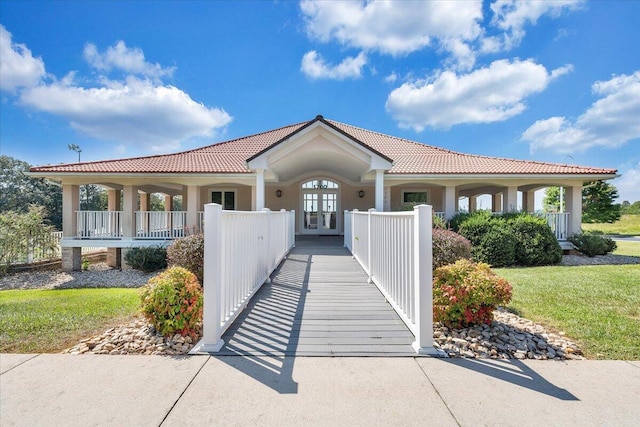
(514, 372)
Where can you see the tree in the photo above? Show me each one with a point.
(22, 233)
(18, 191)
(598, 203)
(630, 208)
(551, 201)
(93, 198)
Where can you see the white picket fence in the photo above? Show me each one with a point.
(241, 251)
(41, 250)
(395, 250)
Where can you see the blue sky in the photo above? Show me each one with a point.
(553, 81)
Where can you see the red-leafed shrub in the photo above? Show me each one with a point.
(449, 247)
(466, 293)
(172, 302)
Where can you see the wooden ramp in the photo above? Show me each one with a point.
(318, 304)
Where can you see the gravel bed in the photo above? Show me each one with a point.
(571, 260)
(99, 275)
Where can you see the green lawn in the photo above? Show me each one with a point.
(628, 225)
(628, 248)
(49, 321)
(597, 306)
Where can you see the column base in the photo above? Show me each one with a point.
(71, 259)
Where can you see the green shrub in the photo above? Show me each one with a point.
(592, 243)
(147, 259)
(172, 302)
(536, 243)
(188, 252)
(475, 227)
(449, 247)
(497, 247)
(439, 223)
(458, 219)
(466, 293)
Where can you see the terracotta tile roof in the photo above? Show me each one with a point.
(408, 157)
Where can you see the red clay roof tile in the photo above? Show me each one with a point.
(409, 157)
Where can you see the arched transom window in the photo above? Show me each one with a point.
(320, 184)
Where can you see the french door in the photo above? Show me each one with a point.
(320, 200)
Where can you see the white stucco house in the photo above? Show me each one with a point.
(319, 168)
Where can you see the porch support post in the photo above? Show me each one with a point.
(193, 204)
(114, 255)
(145, 201)
(529, 201)
(253, 198)
(496, 202)
(473, 203)
(71, 257)
(573, 197)
(130, 204)
(449, 201)
(422, 279)
(380, 190)
(259, 189)
(168, 203)
(510, 199)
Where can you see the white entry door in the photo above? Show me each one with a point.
(320, 200)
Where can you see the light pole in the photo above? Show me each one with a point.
(76, 148)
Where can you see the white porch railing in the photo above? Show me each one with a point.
(161, 224)
(348, 236)
(241, 251)
(395, 249)
(440, 215)
(559, 223)
(99, 224)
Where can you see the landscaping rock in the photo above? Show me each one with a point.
(508, 337)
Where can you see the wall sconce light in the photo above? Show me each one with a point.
(278, 193)
(361, 194)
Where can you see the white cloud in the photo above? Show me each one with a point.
(391, 78)
(121, 57)
(490, 94)
(133, 112)
(611, 121)
(18, 67)
(395, 28)
(628, 184)
(511, 16)
(315, 67)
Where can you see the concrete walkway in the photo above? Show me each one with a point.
(52, 390)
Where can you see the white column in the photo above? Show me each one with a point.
(510, 199)
(259, 189)
(573, 197)
(380, 190)
(193, 205)
(253, 197)
(423, 285)
(449, 203)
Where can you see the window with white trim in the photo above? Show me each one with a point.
(415, 197)
(225, 198)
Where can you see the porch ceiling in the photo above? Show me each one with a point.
(321, 154)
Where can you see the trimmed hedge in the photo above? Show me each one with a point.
(509, 239)
(147, 259)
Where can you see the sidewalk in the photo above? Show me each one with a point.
(53, 389)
